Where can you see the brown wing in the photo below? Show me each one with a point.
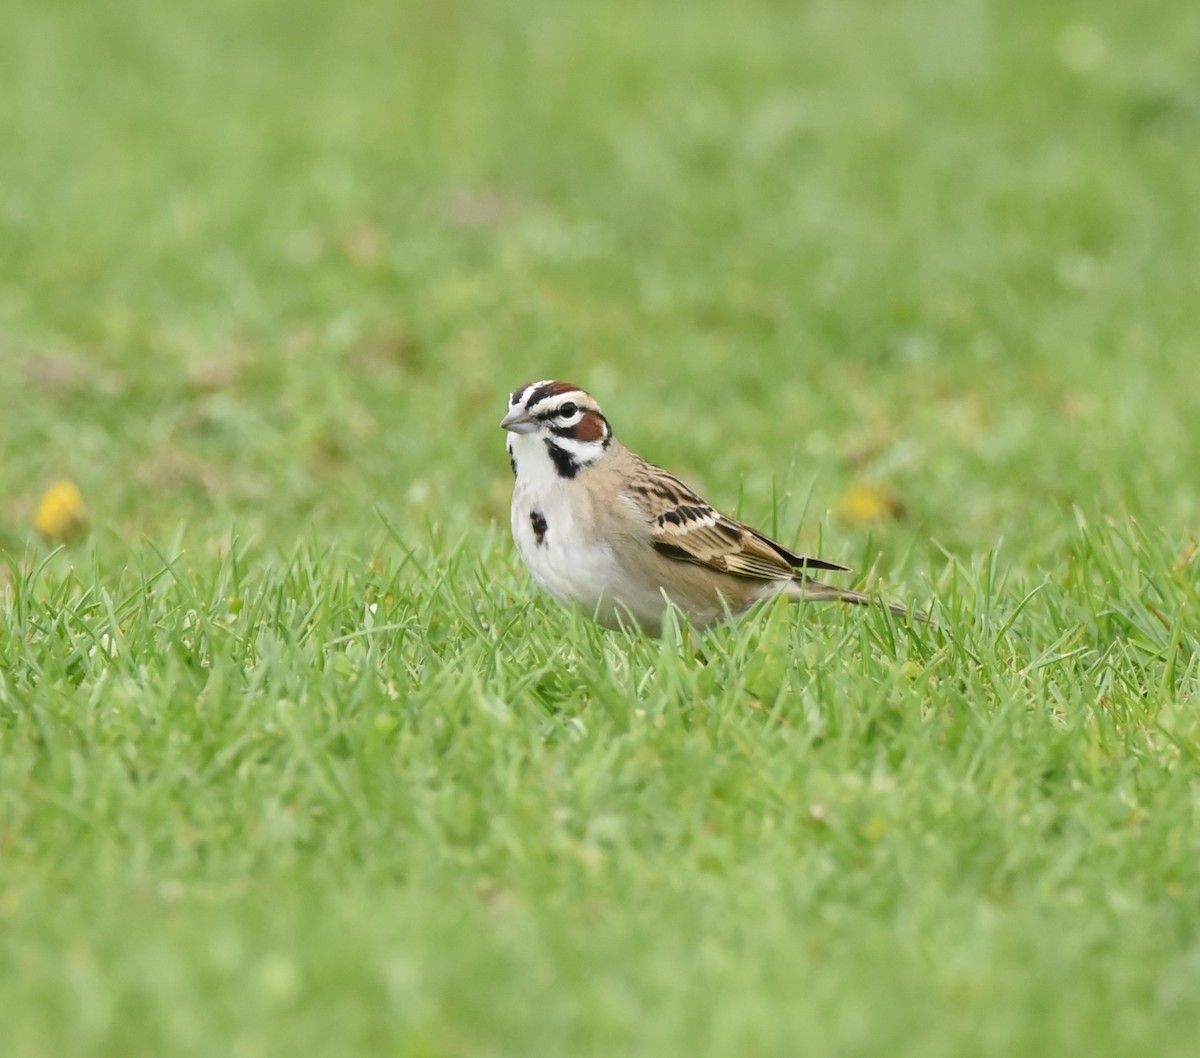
(685, 527)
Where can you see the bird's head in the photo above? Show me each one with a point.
(556, 423)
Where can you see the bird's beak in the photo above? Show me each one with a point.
(519, 421)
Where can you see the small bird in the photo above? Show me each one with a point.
(601, 528)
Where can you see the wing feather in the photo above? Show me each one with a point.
(686, 528)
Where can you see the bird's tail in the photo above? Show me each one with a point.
(818, 591)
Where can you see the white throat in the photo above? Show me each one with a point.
(537, 468)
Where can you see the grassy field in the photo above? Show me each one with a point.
(292, 758)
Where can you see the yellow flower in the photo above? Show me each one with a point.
(61, 515)
(869, 503)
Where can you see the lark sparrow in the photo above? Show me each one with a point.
(600, 527)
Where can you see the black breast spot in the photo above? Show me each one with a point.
(538, 521)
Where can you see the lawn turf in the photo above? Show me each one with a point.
(293, 758)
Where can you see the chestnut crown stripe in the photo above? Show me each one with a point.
(533, 393)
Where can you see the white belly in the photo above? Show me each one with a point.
(568, 556)
(565, 557)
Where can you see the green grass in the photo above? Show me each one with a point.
(292, 757)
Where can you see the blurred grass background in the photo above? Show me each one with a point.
(269, 263)
(267, 272)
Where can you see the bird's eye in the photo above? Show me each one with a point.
(568, 410)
